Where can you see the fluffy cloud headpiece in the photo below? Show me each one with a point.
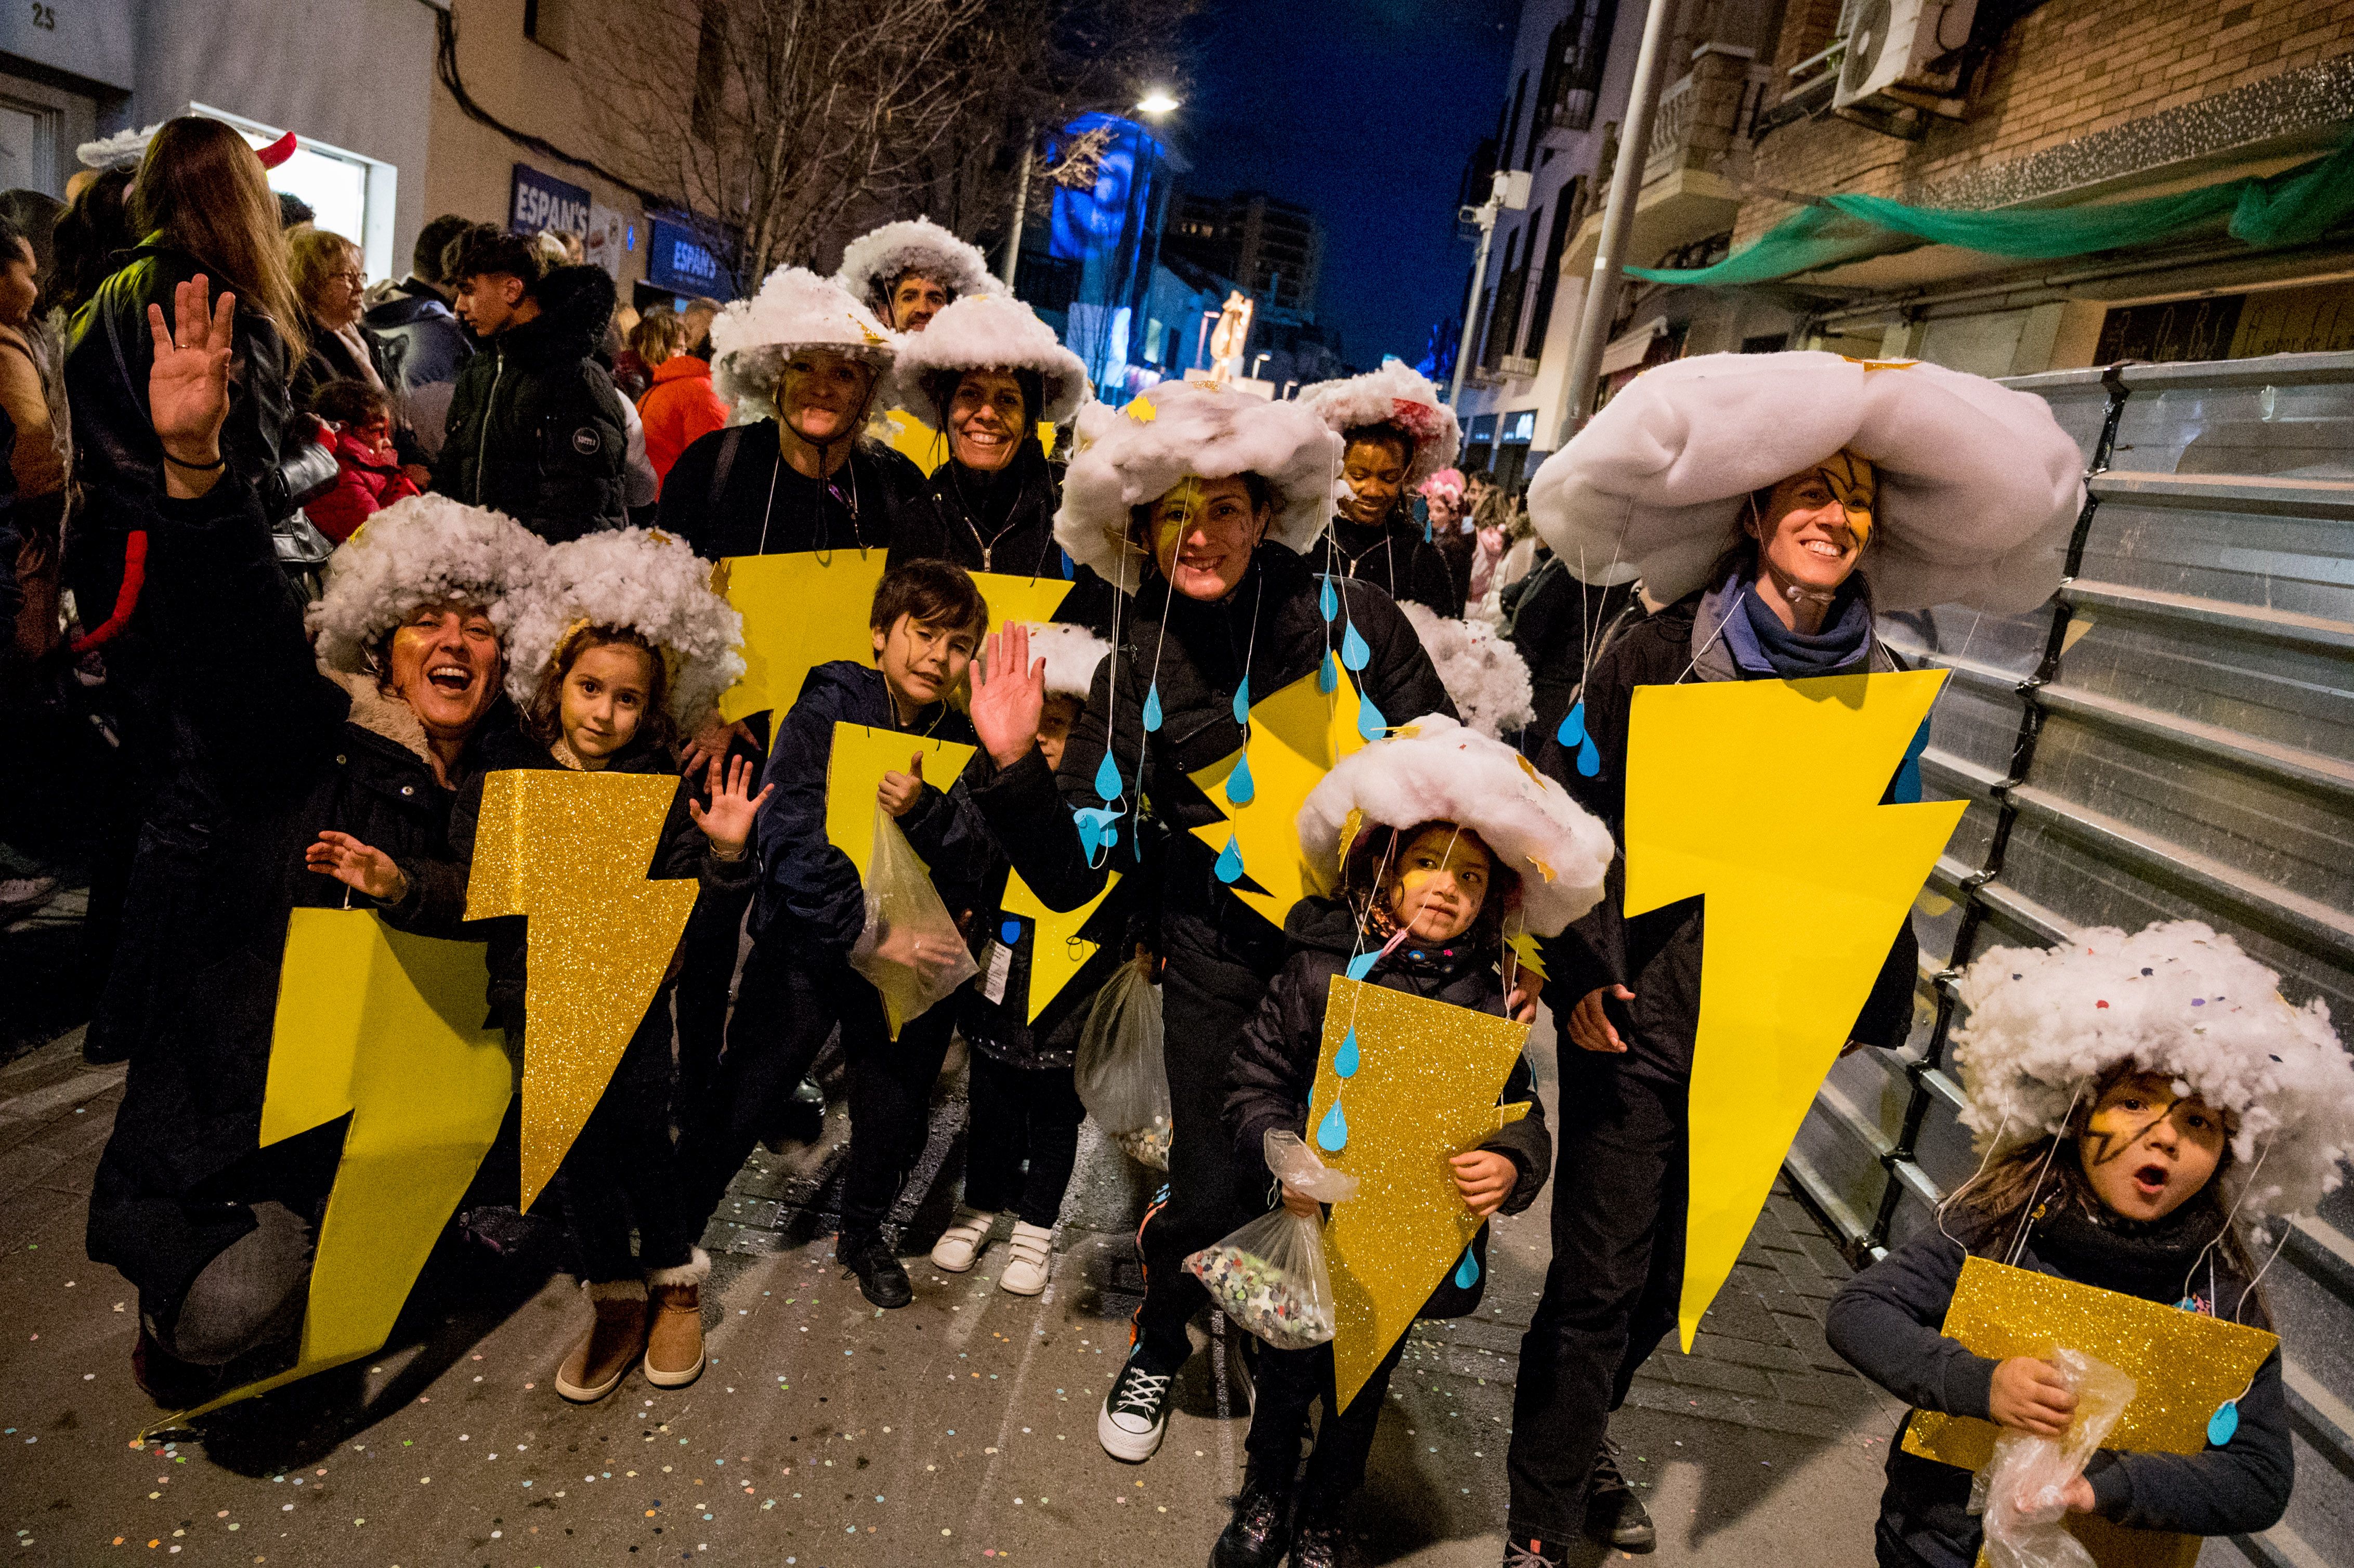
(2176, 998)
(628, 579)
(1482, 671)
(990, 331)
(1394, 395)
(795, 308)
(1979, 485)
(1130, 456)
(1072, 653)
(877, 258)
(420, 550)
(1434, 769)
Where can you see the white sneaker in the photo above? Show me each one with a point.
(962, 1241)
(1025, 1271)
(1135, 1414)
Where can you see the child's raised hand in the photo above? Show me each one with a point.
(2029, 1396)
(899, 791)
(727, 820)
(356, 865)
(1485, 1179)
(1008, 693)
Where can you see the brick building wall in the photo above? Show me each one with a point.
(2068, 69)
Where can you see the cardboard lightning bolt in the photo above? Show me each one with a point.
(1423, 1089)
(1296, 736)
(1763, 797)
(2186, 1365)
(924, 446)
(1057, 951)
(860, 756)
(1014, 596)
(569, 852)
(386, 1028)
(801, 610)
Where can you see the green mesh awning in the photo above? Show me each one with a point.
(2287, 208)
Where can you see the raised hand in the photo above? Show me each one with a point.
(899, 791)
(727, 820)
(187, 387)
(1008, 696)
(356, 865)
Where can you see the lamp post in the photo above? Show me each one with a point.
(1155, 104)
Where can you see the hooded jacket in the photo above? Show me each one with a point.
(535, 428)
(303, 752)
(364, 485)
(420, 344)
(679, 409)
(1274, 1068)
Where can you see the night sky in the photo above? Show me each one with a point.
(1366, 111)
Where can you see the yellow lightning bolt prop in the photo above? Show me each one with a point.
(854, 771)
(926, 447)
(570, 853)
(1421, 1089)
(1057, 951)
(386, 1028)
(801, 610)
(1762, 796)
(1014, 596)
(1296, 736)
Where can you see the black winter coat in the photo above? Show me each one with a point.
(681, 852)
(1273, 1068)
(1395, 559)
(1014, 513)
(305, 753)
(1885, 1322)
(535, 430)
(1657, 955)
(810, 895)
(1547, 617)
(763, 505)
(1201, 663)
(418, 336)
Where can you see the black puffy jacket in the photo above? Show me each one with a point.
(535, 430)
(1008, 518)
(1395, 558)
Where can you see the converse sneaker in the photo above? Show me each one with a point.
(616, 1337)
(1259, 1534)
(1613, 1512)
(1025, 1271)
(961, 1243)
(1135, 1412)
(675, 1340)
(1531, 1551)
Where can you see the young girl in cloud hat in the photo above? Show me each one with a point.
(1439, 842)
(2142, 1101)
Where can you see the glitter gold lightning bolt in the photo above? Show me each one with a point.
(1295, 737)
(1763, 797)
(801, 610)
(569, 852)
(386, 1028)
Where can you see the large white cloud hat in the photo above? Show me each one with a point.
(628, 579)
(990, 331)
(1399, 394)
(794, 309)
(420, 550)
(877, 258)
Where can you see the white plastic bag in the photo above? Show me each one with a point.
(2018, 1490)
(1121, 1078)
(911, 950)
(1269, 1276)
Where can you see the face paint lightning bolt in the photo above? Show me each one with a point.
(1762, 797)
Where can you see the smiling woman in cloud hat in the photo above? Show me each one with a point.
(1395, 435)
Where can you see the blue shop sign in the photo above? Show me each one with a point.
(543, 201)
(678, 260)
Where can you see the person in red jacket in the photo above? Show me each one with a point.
(369, 476)
(680, 408)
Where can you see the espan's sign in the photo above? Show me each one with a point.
(542, 201)
(678, 260)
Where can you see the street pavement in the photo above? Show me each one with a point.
(959, 1430)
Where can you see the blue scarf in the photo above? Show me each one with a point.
(1762, 645)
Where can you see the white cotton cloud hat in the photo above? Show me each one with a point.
(795, 308)
(1979, 485)
(880, 256)
(989, 332)
(420, 550)
(2176, 998)
(1484, 674)
(628, 579)
(1072, 653)
(1127, 456)
(1434, 769)
(1399, 394)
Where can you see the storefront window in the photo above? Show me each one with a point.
(349, 195)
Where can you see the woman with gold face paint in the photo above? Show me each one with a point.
(1206, 505)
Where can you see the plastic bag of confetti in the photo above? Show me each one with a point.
(2021, 1491)
(1121, 1076)
(1269, 1276)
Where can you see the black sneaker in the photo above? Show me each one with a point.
(1136, 1411)
(1613, 1512)
(1531, 1551)
(1260, 1530)
(1315, 1546)
(880, 1278)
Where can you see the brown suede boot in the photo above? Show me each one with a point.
(614, 1340)
(675, 1344)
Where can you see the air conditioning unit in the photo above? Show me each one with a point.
(1904, 58)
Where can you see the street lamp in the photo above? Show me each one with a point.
(1155, 102)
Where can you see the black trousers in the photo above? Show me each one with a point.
(621, 1168)
(1021, 1114)
(706, 970)
(1288, 1383)
(786, 1007)
(1611, 1292)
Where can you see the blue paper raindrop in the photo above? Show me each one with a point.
(1153, 708)
(1328, 673)
(1010, 932)
(1353, 652)
(1466, 1273)
(1370, 722)
(2223, 1423)
(1332, 1132)
(1329, 601)
(1107, 778)
(1344, 1060)
(1363, 964)
(1242, 702)
(1573, 727)
(1589, 758)
(1096, 830)
(1230, 862)
(1239, 788)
